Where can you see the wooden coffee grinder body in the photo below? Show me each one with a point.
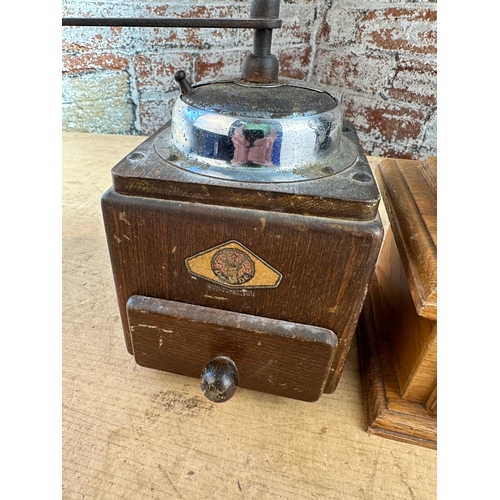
(169, 232)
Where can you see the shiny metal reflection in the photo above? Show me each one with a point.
(252, 147)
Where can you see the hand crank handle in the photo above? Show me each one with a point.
(173, 22)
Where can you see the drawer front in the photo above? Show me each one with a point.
(273, 356)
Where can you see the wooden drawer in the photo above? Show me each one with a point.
(277, 357)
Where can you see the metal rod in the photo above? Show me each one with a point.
(263, 9)
(174, 22)
(261, 66)
(262, 42)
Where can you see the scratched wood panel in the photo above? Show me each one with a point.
(183, 338)
(131, 432)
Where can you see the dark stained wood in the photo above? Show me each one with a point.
(144, 173)
(321, 237)
(326, 264)
(183, 338)
(387, 414)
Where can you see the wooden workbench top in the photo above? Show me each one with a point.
(134, 433)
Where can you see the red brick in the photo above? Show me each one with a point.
(159, 10)
(396, 29)
(206, 11)
(297, 26)
(415, 81)
(154, 114)
(155, 72)
(294, 62)
(93, 61)
(383, 120)
(361, 72)
(215, 64)
(193, 37)
(160, 37)
(205, 38)
(95, 39)
(394, 151)
(363, 63)
(294, 31)
(339, 26)
(188, 38)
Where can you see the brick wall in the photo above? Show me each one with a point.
(379, 56)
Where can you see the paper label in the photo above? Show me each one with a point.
(232, 265)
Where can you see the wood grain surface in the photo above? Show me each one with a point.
(272, 356)
(413, 337)
(407, 272)
(410, 200)
(326, 263)
(343, 196)
(135, 433)
(387, 413)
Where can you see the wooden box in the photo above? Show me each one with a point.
(272, 275)
(398, 328)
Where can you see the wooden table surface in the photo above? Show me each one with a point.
(134, 433)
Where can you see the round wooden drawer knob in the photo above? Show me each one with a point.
(219, 379)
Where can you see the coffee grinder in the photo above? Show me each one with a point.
(243, 234)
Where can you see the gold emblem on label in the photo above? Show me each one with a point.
(234, 266)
